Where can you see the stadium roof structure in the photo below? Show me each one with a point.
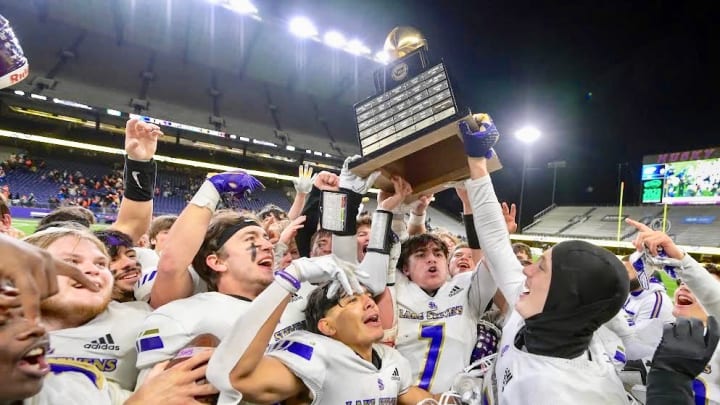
(197, 63)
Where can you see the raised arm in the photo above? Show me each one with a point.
(135, 211)
(188, 232)
(303, 185)
(489, 221)
(703, 285)
(239, 364)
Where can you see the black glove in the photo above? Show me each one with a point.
(685, 346)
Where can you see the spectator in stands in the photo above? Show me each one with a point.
(123, 265)
(522, 252)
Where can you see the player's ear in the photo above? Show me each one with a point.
(216, 263)
(405, 271)
(326, 327)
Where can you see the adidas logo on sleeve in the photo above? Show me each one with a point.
(103, 343)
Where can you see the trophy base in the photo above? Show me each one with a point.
(430, 162)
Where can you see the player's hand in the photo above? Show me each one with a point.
(650, 241)
(176, 385)
(422, 203)
(28, 275)
(326, 181)
(321, 269)
(686, 347)
(304, 182)
(479, 144)
(353, 182)
(236, 182)
(510, 213)
(393, 201)
(290, 231)
(141, 139)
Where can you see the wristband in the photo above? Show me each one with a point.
(339, 211)
(206, 196)
(380, 232)
(470, 233)
(287, 281)
(139, 179)
(417, 220)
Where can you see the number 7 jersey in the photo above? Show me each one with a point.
(437, 333)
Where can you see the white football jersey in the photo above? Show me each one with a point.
(437, 334)
(525, 378)
(172, 326)
(107, 342)
(652, 303)
(706, 386)
(144, 285)
(335, 374)
(72, 382)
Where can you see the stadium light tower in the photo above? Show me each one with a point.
(303, 27)
(527, 135)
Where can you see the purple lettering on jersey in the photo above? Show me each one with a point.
(62, 368)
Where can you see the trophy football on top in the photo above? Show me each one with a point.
(410, 126)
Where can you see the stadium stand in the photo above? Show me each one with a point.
(556, 220)
(694, 225)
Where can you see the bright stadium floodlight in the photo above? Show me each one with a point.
(357, 47)
(334, 39)
(241, 6)
(303, 27)
(382, 57)
(528, 134)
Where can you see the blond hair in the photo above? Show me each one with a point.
(47, 237)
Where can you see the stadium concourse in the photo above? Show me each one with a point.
(181, 223)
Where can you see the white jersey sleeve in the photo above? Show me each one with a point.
(72, 382)
(323, 364)
(107, 342)
(494, 239)
(645, 305)
(482, 289)
(143, 287)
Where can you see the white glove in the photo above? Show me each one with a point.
(321, 269)
(304, 182)
(353, 182)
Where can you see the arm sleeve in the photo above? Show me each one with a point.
(702, 284)
(161, 337)
(311, 210)
(669, 388)
(238, 340)
(494, 238)
(304, 358)
(640, 340)
(482, 288)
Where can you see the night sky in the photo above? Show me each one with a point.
(605, 81)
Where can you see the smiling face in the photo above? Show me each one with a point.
(126, 270)
(73, 301)
(23, 345)
(537, 286)
(461, 261)
(245, 262)
(363, 239)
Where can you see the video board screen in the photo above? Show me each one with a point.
(682, 178)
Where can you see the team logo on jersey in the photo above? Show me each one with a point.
(455, 291)
(395, 375)
(504, 349)
(149, 340)
(432, 305)
(102, 343)
(296, 297)
(506, 378)
(381, 386)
